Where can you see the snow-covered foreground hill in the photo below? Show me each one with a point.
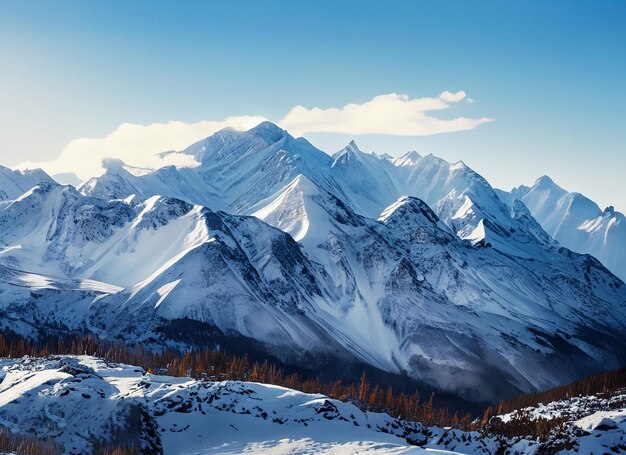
(83, 402)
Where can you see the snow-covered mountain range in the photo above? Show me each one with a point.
(82, 402)
(410, 265)
(241, 171)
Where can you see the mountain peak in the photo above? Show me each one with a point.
(226, 130)
(304, 184)
(413, 219)
(544, 181)
(412, 155)
(352, 146)
(408, 159)
(348, 153)
(268, 131)
(408, 204)
(459, 165)
(349, 149)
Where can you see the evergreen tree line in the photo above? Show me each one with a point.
(522, 424)
(26, 444)
(219, 365)
(608, 381)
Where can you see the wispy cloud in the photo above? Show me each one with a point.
(141, 145)
(391, 114)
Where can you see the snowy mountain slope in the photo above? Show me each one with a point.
(80, 401)
(164, 260)
(408, 279)
(368, 181)
(52, 305)
(460, 197)
(14, 183)
(378, 292)
(239, 170)
(54, 230)
(247, 279)
(577, 223)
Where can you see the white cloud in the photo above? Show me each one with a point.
(392, 114)
(452, 97)
(138, 145)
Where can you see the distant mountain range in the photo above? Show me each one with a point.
(577, 222)
(408, 264)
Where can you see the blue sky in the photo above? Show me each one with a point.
(552, 75)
